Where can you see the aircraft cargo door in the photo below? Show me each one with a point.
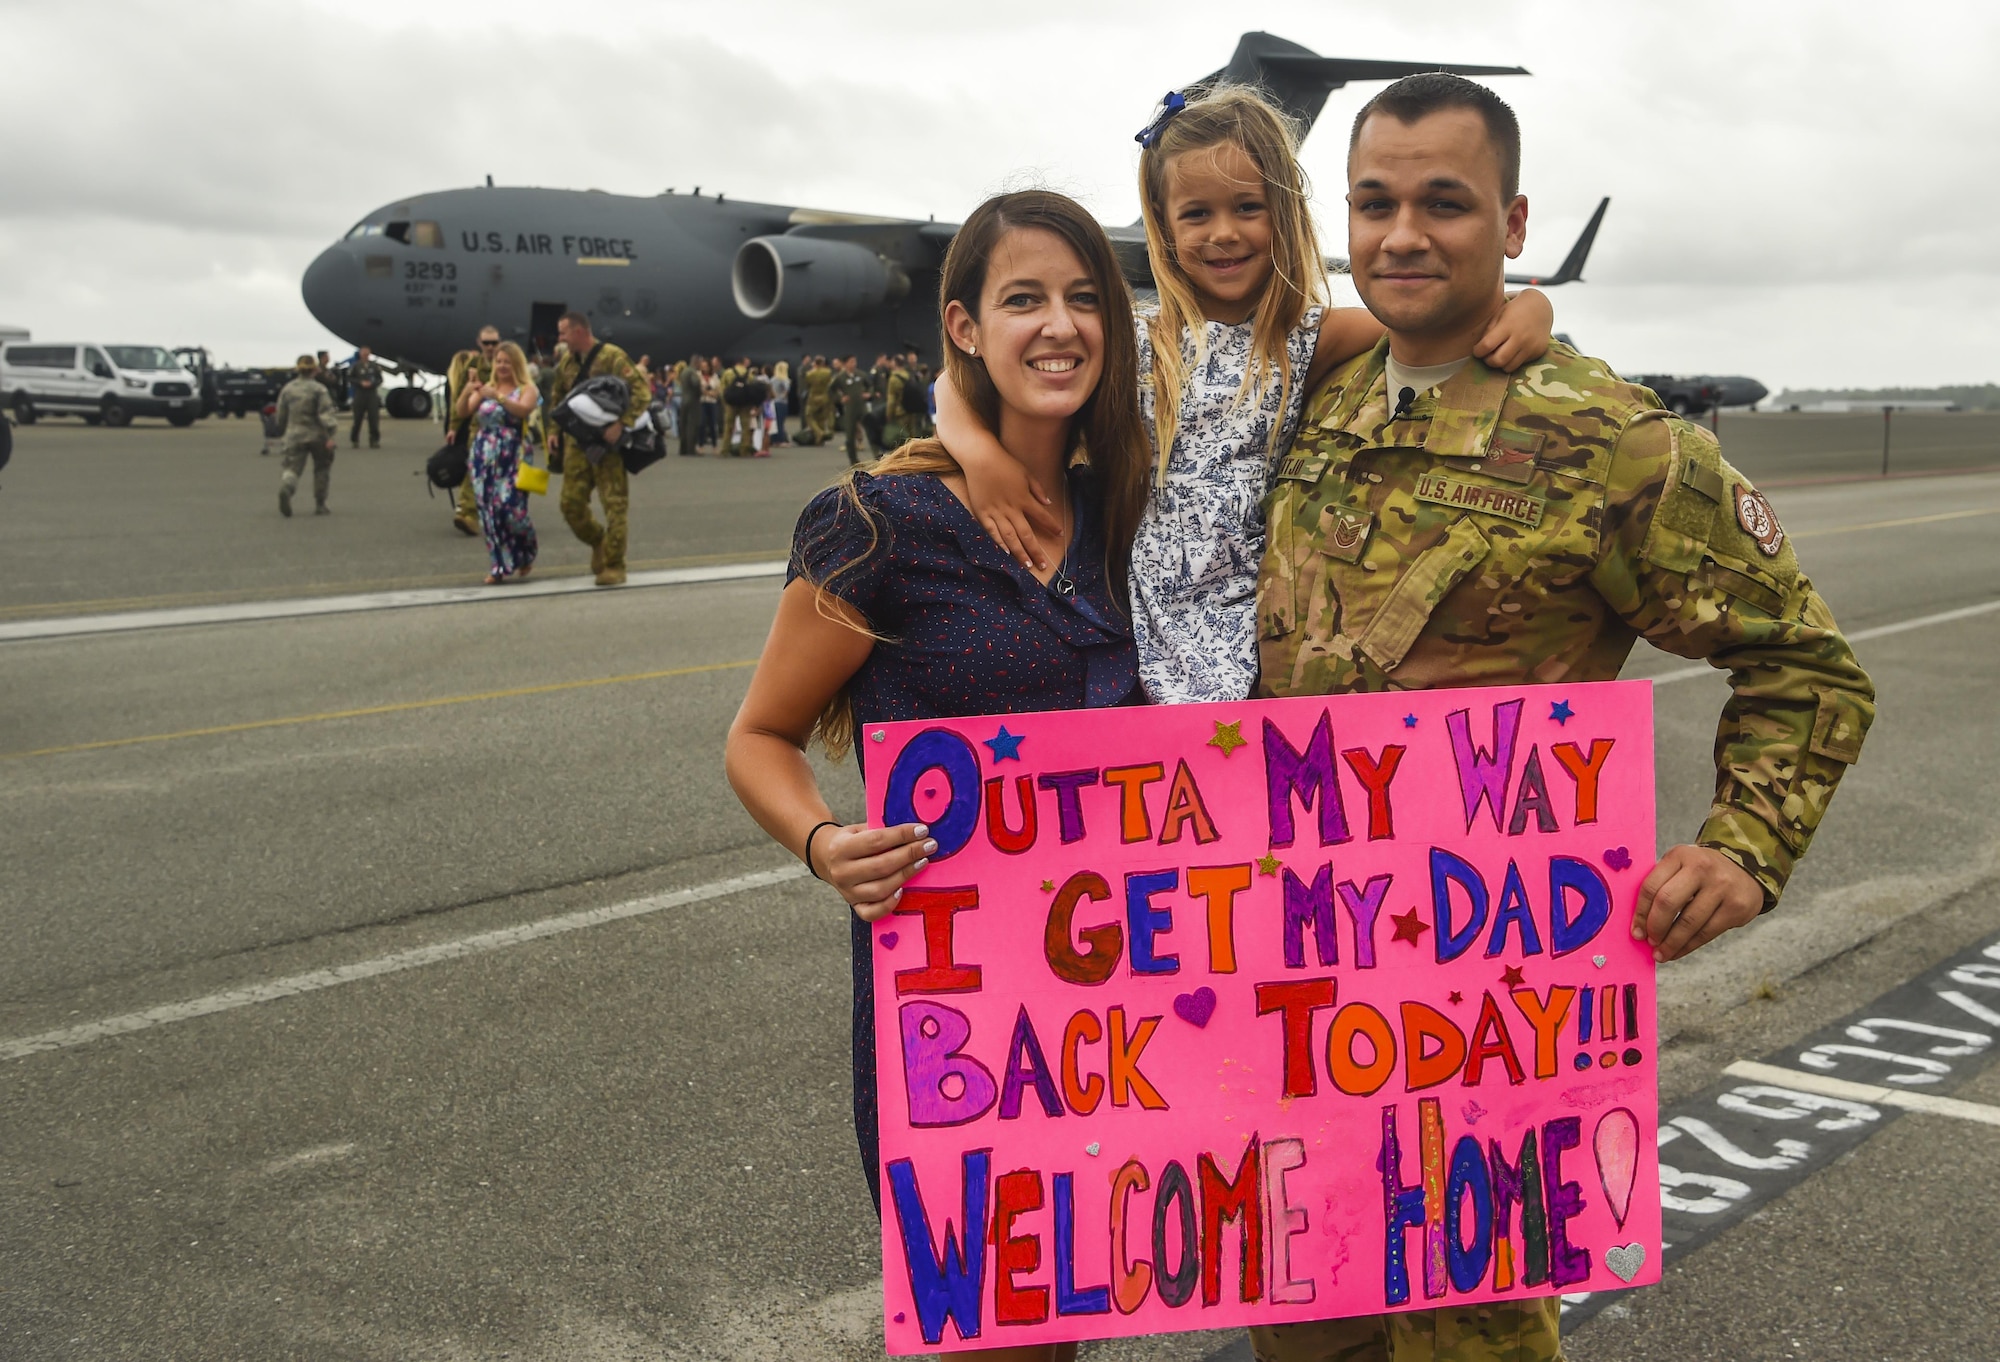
(542, 327)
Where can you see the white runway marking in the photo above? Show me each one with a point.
(313, 980)
(1965, 612)
(76, 626)
(1865, 1092)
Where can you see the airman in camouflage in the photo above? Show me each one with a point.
(850, 389)
(364, 386)
(475, 366)
(690, 393)
(1530, 528)
(599, 467)
(904, 395)
(306, 420)
(1501, 529)
(819, 402)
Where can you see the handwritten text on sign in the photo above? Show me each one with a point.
(1211, 1015)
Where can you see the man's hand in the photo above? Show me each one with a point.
(1694, 895)
(613, 432)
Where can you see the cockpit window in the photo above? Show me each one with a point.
(427, 234)
(398, 231)
(361, 229)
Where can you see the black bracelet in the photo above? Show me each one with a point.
(829, 823)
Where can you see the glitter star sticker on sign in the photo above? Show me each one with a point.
(1409, 927)
(1228, 737)
(1267, 864)
(1006, 746)
(1511, 976)
(1561, 712)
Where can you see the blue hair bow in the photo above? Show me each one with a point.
(1171, 105)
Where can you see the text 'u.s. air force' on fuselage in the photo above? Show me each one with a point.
(676, 274)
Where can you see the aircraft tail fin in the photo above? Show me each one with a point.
(1571, 270)
(1299, 79)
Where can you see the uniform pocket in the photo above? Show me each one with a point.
(1428, 580)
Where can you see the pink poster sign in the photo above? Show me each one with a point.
(1216, 1015)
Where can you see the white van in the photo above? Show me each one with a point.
(101, 383)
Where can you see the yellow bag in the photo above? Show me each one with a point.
(531, 479)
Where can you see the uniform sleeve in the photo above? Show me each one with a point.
(842, 545)
(641, 391)
(284, 412)
(1695, 560)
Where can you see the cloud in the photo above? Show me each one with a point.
(1795, 184)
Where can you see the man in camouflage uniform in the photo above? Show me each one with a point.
(898, 423)
(364, 386)
(597, 467)
(475, 366)
(736, 417)
(850, 390)
(818, 380)
(1440, 523)
(306, 420)
(690, 390)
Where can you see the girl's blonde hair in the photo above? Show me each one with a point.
(1240, 115)
(1107, 425)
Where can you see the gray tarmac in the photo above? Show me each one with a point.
(632, 1140)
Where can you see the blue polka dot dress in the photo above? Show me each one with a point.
(965, 630)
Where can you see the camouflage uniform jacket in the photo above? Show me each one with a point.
(610, 360)
(819, 385)
(306, 412)
(1528, 528)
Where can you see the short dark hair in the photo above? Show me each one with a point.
(574, 319)
(1418, 96)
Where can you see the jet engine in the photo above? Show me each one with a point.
(805, 281)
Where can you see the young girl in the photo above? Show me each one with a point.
(1240, 277)
(900, 607)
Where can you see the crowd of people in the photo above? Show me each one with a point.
(498, 422)
(744, 409)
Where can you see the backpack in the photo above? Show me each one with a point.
(446, 469)
(916, 396)
(746, 390)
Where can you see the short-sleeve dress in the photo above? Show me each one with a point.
(1201, 539)
(966, 630)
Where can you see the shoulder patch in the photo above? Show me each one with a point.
(1758, 520)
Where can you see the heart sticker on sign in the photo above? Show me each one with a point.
(889, 940)
(1617, 1146)
(1625, 1260)
(1197, 1007)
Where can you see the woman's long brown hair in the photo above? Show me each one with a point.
(1107, 424)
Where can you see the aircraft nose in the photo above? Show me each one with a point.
(329, 288)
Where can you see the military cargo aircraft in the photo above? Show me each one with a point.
(681, 273)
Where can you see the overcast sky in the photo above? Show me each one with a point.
(1803, 192)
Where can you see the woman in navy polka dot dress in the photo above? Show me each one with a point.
(898, 605)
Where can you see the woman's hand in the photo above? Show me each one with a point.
(868, 866)
(1521, 332)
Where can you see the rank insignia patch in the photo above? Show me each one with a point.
(1759, 521)
(1347, 534)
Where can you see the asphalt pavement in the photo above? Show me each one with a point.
(595, 1103)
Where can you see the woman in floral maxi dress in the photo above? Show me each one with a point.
(500, 408)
